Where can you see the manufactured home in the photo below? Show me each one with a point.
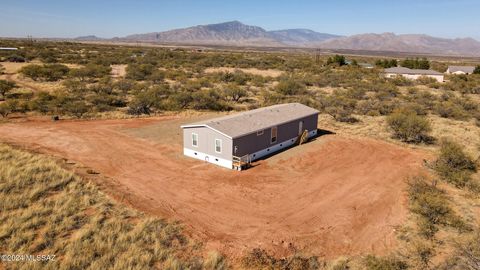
(233, 141)
(460, 70)
(413, 74)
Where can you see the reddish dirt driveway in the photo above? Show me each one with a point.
(333, 196)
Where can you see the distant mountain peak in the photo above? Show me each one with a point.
(236, 33)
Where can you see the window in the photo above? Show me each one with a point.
(218, 145)
(259, 133)
(194, 139)
(274, 135)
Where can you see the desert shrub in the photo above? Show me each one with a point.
(290, 86)
(234, 92)
(337, 60)
(466, 254)
(476, 70)
(15, 58)
(76, 108)
(7, 108)
(49, 72)
(432, 207)
(340, 107)
(157, 76)
(90, 71)
(43, 102)
(425, 80)
(384, 263)
(139, 72)
(146, 100)
(6, 86)
(386, 63)
(208, 99)
(451, 110)
(260, 259)
(401, 81)
(416, 63)
(2, 69)
(409, 127)
(215, 261)
(454, 165)
(179, 100)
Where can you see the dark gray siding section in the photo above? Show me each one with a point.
(251, 143)
(206, 142)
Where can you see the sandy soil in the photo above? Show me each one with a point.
(254, 71)
(333, 196)
(118, 71)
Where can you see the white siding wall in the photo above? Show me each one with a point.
(439, 78)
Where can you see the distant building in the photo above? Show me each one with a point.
(460, 70)
(8, 49)
(365, 65)
(413, 74)
(235, 140)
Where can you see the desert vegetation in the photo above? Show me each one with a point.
(61, 214)
(48, 210)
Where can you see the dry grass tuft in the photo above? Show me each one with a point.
(45, 209)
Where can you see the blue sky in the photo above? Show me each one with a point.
(108, 18)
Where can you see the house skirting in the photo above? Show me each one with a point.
(208, 158)
(279, 146)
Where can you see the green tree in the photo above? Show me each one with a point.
(476, 70)
(337, 59)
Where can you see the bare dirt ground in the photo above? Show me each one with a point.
(253, 71)
(333, 196)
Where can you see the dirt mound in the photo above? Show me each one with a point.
(329, 197)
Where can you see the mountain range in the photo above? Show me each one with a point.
(235, 33)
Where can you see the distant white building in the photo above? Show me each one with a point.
(8, 49)
(460, 70)
(413, 74)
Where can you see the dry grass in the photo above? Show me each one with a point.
(45, 209)
(254, 71)
(465, 133)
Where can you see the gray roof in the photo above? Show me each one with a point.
(244, 123)
(404, 70)
(465, 69)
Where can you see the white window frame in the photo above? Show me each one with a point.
(195, 135)
(218, 140)
(260, 132)
(271, 135)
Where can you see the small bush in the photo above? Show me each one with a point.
(431, 205)
(6, 86)
(454, 165)
(409, 127)
(384, 263)
(50, 72)
(260, 259)
(290, 87)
